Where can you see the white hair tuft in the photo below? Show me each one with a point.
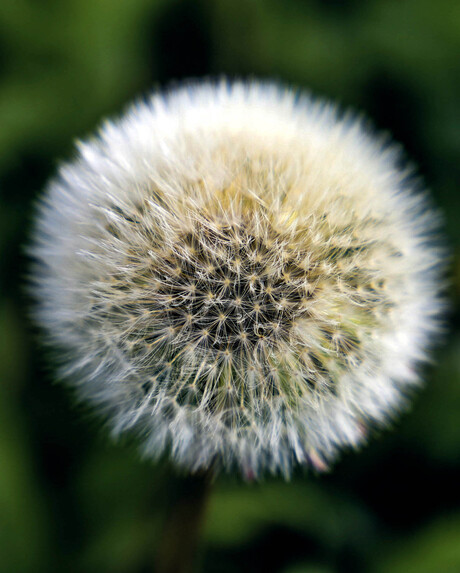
(239, 276)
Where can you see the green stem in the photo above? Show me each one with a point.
(183, 525)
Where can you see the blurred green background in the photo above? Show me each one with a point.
(69, 500)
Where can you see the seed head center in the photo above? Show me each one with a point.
(226, 297)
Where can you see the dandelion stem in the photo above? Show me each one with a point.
(181, 534)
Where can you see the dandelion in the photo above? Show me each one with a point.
(239, 276)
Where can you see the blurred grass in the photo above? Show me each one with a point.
(69, 501)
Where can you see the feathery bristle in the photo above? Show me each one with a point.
(239, 276)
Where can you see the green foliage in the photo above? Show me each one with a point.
(70, 501)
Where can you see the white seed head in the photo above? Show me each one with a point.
(239, 276)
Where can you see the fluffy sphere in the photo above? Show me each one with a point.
(238, 275)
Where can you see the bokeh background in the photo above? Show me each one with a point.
(69, 500)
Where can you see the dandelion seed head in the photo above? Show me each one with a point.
(239, 276)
